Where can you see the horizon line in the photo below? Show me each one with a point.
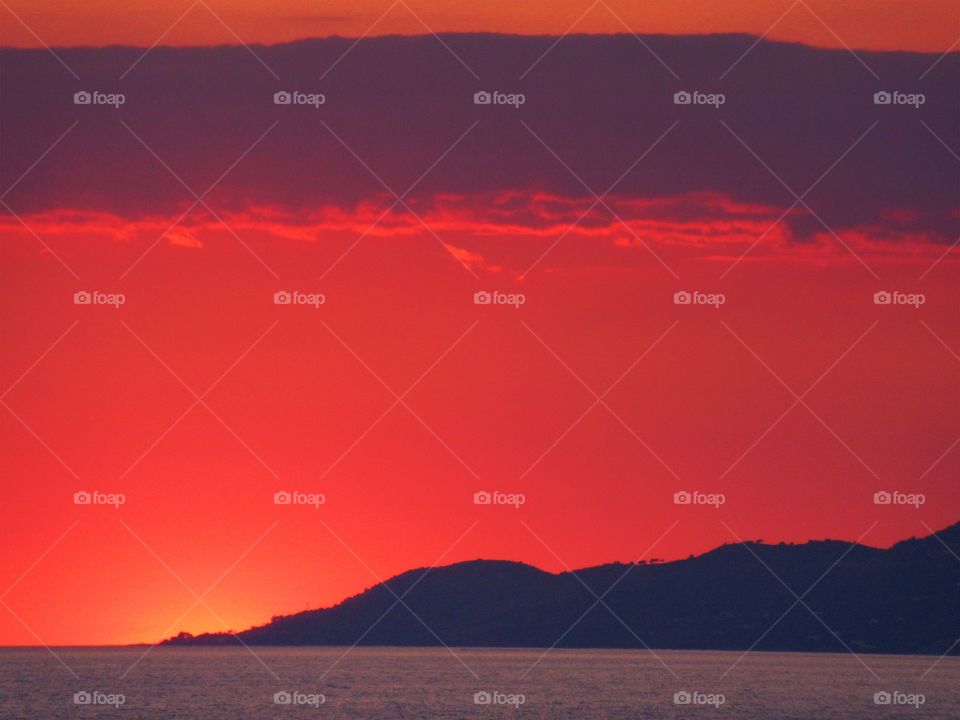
(951, 50)
(495, 648)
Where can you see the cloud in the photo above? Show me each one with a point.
(498, 233)
(794, 117)
(183, 238)
(472, 259)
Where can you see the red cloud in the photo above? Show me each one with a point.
(474, 228)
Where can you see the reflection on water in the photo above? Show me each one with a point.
(234, 683)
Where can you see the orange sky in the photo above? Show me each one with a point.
(929, 26)
(295, 398)
(200, 495)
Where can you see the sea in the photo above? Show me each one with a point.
(237, 683)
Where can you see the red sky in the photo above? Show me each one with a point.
(930, 26)
(496, 402)
(500, 398)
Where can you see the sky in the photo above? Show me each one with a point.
(929, 26)
(588, 393)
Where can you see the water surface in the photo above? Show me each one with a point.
(386, 683)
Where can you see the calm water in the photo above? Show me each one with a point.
(209, 684)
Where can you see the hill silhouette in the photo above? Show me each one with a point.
(905, 599)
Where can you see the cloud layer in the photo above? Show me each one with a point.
(399, 115)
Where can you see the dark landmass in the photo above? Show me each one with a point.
(905, 599)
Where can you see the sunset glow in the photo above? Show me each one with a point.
(690, 294)
(861, 24)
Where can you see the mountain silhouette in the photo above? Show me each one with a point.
(820, 596)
